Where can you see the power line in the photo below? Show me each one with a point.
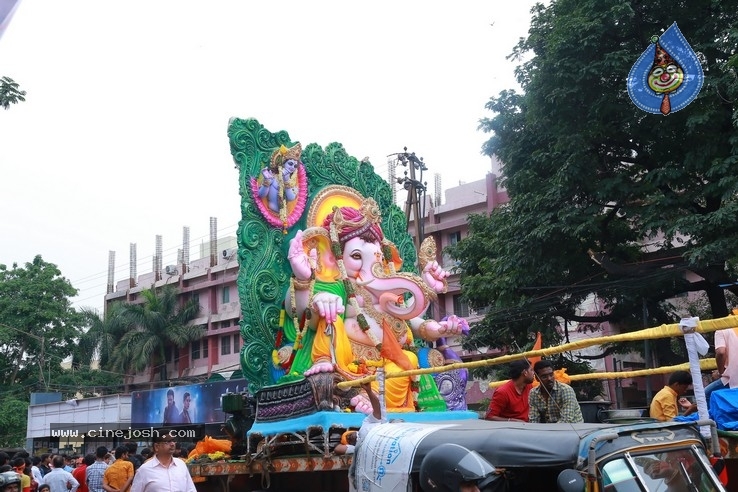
(543, 303)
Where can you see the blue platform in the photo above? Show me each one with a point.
(346, 420)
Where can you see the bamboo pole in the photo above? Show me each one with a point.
(663, 331)
(705, 365)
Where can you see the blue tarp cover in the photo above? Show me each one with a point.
(724, 409)
(327, 420)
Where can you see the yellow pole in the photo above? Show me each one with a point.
(663, 331)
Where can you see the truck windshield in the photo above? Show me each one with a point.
(674, 470)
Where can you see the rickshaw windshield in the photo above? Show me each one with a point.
(674, 470)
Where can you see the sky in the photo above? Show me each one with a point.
(122, 136)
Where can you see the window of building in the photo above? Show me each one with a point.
(205, 348)
(461, 307)
(168, 354)
(225, 345)
(196, 297)
(430, 312)
(225, 324)
(226, 295)
(195, 350)
(448, 263)
(236, 342)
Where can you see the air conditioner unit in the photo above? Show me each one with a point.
(229, 253)
(171, 270)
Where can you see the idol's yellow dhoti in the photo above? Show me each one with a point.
(336, 348)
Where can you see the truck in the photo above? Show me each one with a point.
(637, 456)
(290, 443)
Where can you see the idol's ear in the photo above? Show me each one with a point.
(318, 239)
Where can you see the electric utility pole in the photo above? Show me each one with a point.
(416, 189)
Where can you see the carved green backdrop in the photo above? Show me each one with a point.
(262, 249)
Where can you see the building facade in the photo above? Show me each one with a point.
(210, 280)
(447, 224)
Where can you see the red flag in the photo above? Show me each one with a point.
(536, 346)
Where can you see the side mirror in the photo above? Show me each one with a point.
(570, 480)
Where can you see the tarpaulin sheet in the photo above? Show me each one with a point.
(724, 409)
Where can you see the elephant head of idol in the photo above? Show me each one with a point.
(351, 247)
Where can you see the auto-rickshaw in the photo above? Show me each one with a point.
(642, 456)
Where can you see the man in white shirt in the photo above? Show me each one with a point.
(35, 470)
(163, 472)
(58, 479)
(726, 341)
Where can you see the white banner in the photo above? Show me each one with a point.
(384, 459)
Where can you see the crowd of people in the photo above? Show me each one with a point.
(159, 468)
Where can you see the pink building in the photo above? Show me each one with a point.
(447, 224)
(212, 281)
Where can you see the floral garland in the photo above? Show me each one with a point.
(283, 221)
(309, 285)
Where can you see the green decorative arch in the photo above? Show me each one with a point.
(264, 271)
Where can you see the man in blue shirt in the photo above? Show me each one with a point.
(96, 471)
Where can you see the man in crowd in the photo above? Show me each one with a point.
(119, 474)
(552, 401)
(45, 465)
(60, 480)
(35, 470)
(510, 401)
(68, 462)
(9, 481)
(163, 471)
(80, 471)
(666, 403)
(96, 471)
(135, 459)
(19, 466)
(726, 341)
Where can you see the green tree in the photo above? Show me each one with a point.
(606, 200)
(85, 382)
(38, 324)
(158, 322)
(10, 92)
(13, 423)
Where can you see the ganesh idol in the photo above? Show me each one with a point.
(350, 304)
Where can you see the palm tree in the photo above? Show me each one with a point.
(10, 92)
(102, 335)
(157, 323)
